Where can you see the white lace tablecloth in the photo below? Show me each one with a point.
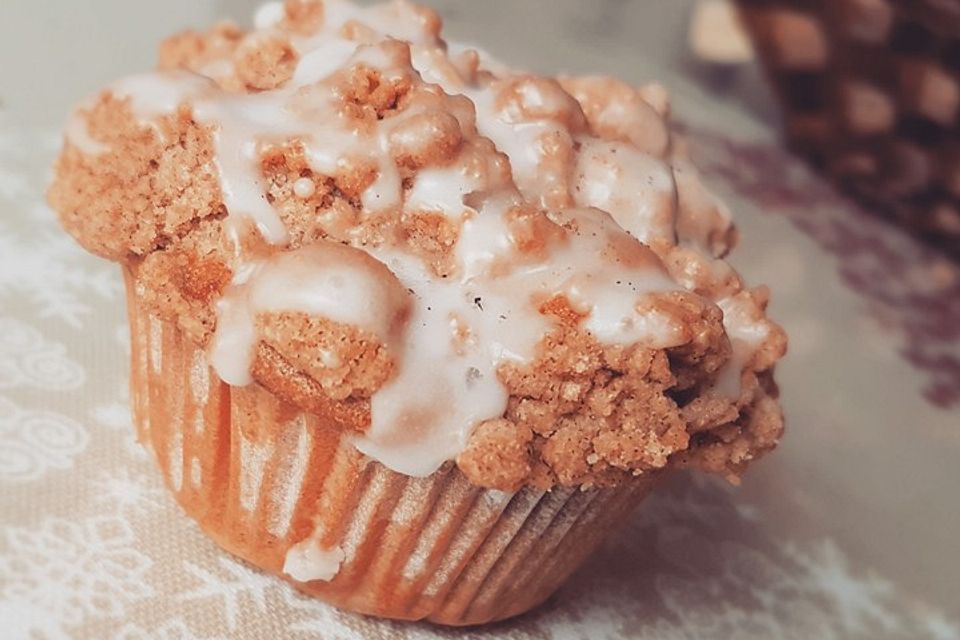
(850, 530)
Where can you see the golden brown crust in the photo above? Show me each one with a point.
(705, 347)
(151, 187)
(498, 455)
(192, 50)
(272, 371)
(345, 361)
(265, 62)
(601, 414)
(182, 287)
(330, 210)
(726, 450)
(303, 16)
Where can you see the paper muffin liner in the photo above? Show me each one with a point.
(289, 493)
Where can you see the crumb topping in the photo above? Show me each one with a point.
(450, 259)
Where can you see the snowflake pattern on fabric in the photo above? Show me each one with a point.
(53, 275)
(234, 586)
(32, 442)
(130, 492)
(115, 417)
(28, 360)
(692, 565)
(318, 618)
(43, 266)
(22, 620)
(75, 570)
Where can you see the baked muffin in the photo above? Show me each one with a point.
(412, 329)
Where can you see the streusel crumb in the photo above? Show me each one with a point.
(444, 168)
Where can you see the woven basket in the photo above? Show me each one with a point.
(870, 91)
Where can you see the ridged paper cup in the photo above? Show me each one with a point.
(288, 493)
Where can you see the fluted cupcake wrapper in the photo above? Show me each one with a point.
(289, 493)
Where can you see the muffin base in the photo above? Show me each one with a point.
(260, 476)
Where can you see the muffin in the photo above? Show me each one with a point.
(870, 91)
(411, 329)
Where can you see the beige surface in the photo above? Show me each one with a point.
(848, 531)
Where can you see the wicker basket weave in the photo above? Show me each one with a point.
(870, 91)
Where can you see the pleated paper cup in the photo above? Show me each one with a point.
(288, 493)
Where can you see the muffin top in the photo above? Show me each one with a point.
(449, 259)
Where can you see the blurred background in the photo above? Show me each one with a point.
(638, 39)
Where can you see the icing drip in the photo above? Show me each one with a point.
(747, 330)
(702, 218)
(153, 94)
(304, 188)
(441, 190)
(236, 122)
(237, 160)
(325, 279)
(318, 63)
(447, 382)
(307, 560)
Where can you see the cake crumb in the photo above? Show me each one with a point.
(265, 62)
(497, 455)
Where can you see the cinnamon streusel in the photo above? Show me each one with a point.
(408, 323)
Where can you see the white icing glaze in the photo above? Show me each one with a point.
(610, 286)
(451, 335)
(327, 51)
(325, 279)
(161, 93)
(386, 191)
(320, 61)
(446, 384)
(435, 66)
(237, 163)
(461, 331)
(636, 188)
(397, 20)
(441, 190)
(306, 561)
(218, 68)
(236, 122)
(747, 333)
(700, 214)
(520, 141)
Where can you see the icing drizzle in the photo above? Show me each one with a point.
(448, 335)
